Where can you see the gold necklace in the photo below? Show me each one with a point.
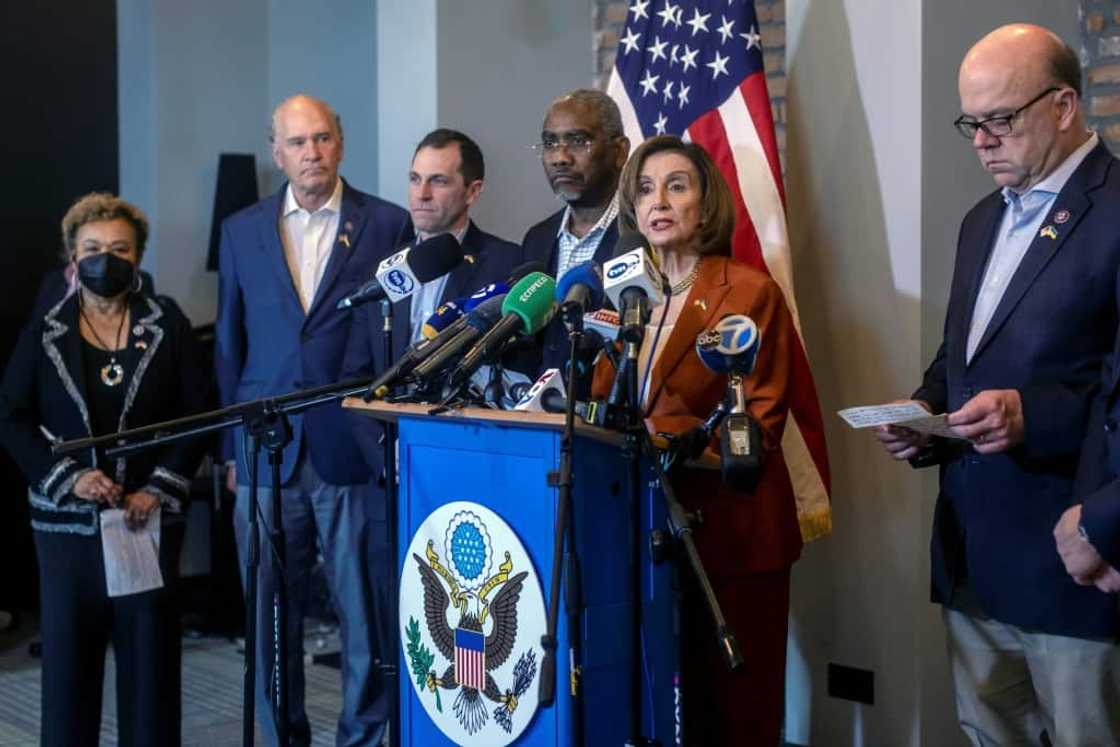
(688, 280)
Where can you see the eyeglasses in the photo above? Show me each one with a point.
(996, 126)
(576, 142)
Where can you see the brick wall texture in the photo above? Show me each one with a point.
(610, 19)
(1100, 58)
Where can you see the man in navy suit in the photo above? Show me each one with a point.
(445, 179)
(1031, 315)
(284, 265)
(583, 149)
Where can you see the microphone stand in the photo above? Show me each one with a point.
(266, 423)
(391, 656)
(566, 533)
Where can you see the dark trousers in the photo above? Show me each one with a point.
(338, 519)
(744, 708)
(79, 620)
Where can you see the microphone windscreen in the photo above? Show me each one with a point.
(443, 318)
(482, 294)
(628, 241)
(487, 313)
(731, 346)
(435, 257)
(531, 299)
(588, 274)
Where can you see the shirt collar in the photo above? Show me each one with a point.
(604, 220)
(459, 235)
(1057, 179)
(332, 205)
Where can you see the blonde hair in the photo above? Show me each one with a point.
(717, 206)
(101, 206)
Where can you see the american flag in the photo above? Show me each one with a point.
(470, 658)
(695, 69)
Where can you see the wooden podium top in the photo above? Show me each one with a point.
(390, 412)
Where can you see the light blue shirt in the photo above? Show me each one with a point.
(427, 296)
(1022, 221)
(574, 250)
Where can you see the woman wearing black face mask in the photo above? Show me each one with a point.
(104, 358)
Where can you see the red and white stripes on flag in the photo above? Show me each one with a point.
(470, 658)
(696, 69)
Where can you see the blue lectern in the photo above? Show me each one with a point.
(470, 481)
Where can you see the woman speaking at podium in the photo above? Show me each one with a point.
(106, 357)
(673, 194)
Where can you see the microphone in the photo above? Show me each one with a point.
(399, 275)
(441, 327)
(443, 317)
(545, 395)
(527, 308)
(633, 283)
(476, 324)
(603, 321)
(731, 348)
(580, 289)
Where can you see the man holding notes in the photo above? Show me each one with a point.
(1031, 315)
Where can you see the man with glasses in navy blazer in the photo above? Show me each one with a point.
(285, 263)
(1031, 316)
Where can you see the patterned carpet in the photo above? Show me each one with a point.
(212, 677)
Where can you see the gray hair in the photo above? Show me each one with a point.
(610, 119)
(331, 114)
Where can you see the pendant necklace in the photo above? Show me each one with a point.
(112, 373)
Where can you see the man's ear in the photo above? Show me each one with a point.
(623, 143)
(474, 191)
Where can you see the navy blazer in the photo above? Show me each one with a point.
(487, 259)
(1047, 339)
(266, 345)
(1098, 478)
(541, 244)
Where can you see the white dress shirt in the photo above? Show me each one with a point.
(308, 239)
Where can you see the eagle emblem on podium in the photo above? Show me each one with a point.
(470, 615)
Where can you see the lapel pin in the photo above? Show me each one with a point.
(701, 303)
(137, 330)
(468, 258)
(141, 345)
(1061, 216)
(344, 239)
(348, 226)
(1049, 232)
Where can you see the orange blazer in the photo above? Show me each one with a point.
(739, 533)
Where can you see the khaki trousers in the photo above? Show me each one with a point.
(1013, 684)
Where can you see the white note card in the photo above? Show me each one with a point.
(131, 556)
(907, 415)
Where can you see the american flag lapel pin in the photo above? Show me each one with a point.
(1049, 232)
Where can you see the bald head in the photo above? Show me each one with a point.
(307, 147)
(1023, 54)
(1021, 104)
(301, 103)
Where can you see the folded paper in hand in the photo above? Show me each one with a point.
(905, 415)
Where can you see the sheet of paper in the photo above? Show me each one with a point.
(907, 415)
(131, 556)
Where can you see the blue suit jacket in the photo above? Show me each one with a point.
(1050, 332)
(266, 345)
(488, 259)
(1098, 479)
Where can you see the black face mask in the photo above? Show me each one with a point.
(106, 275)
